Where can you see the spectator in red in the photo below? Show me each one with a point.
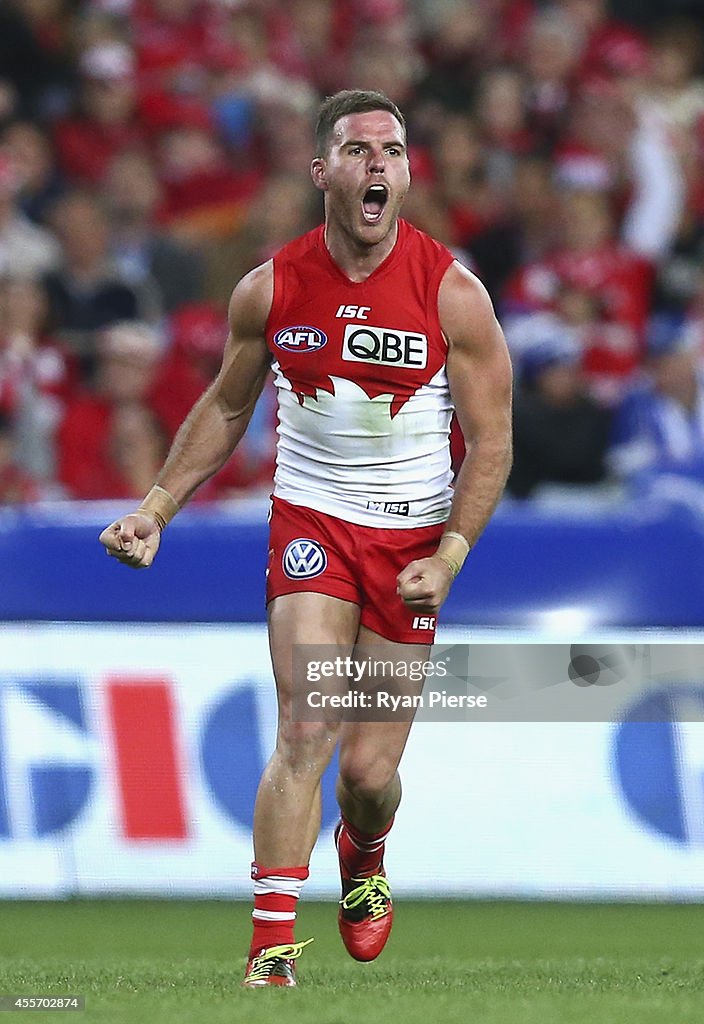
(612, 285)
(173, 41)
(589, 258)
(607, 43)
(246, 33)
(198, 333)
(106, 122)
(512, 22)
(111, 444)
(311, 39)
(113, 441)
(197, 338)
(587, 154)
(609, 355)
(205, 196)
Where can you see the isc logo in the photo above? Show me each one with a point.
(424, 622)
(383, 345)
(394, 508)
(353, 312)
(300, 339)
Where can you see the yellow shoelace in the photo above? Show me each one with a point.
(375, 890)
(264, 964)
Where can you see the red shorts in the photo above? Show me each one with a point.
(313, 551)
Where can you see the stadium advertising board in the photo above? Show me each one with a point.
(129, 759)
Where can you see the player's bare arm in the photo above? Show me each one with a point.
(211, 431)
(479, 375)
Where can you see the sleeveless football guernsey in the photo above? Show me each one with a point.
(364, 406)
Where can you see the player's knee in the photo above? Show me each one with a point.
(306, 746)
(367, 779)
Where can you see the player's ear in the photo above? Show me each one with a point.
(317, 173)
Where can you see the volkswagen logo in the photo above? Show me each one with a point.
(304, 558)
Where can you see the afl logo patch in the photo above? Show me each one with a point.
(300, 339)
(304, 559)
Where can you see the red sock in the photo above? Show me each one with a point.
(361, 852)
(276, 892)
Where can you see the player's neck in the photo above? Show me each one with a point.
(355, 260)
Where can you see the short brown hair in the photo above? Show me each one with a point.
(350, 101)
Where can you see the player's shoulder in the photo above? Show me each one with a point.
(464, 305)
(461, 287)
(252, 297)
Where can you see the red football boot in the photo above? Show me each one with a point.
(366, 912)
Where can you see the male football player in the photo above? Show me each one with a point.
(375, 334)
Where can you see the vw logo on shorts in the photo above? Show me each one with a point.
(304, 558)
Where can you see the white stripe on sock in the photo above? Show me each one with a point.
(369, 847)
(272, 915)
(279, 884)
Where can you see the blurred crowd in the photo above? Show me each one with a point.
(153, 151)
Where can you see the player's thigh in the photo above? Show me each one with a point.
(307, 627)
(370, 751)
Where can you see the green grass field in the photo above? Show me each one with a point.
(490, 963)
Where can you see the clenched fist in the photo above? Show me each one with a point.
(134, 540)
(424, 584)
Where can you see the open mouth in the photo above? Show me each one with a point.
(374, 202)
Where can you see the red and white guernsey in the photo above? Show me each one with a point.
(360, 368)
